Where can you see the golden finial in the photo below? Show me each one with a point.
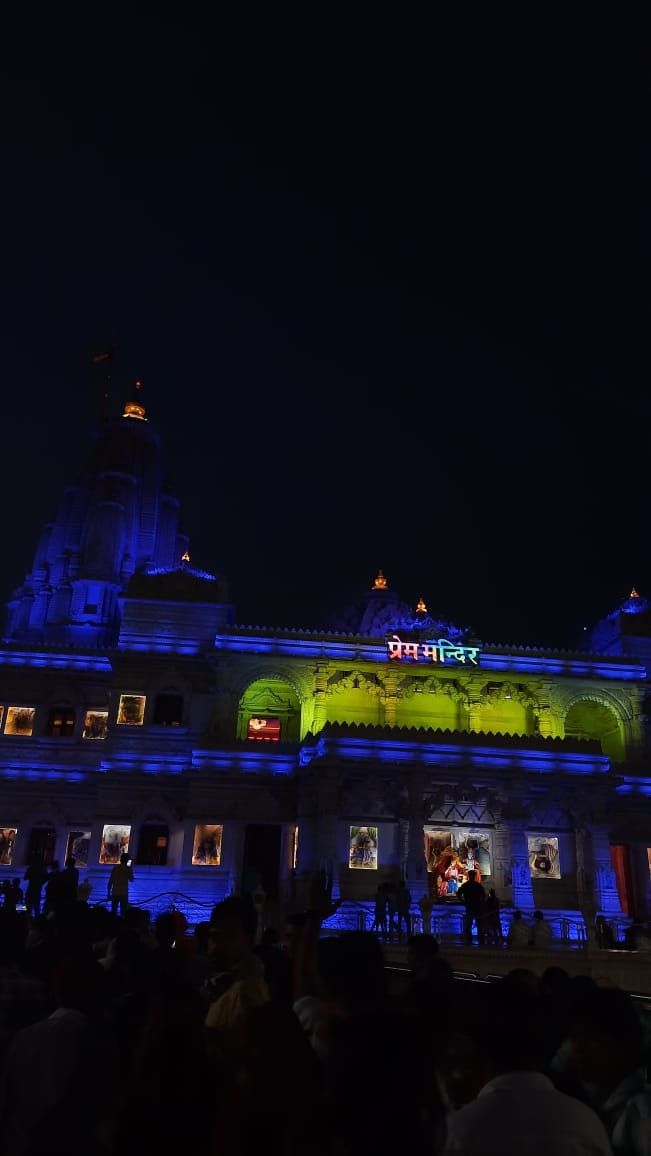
(185, 557)
(380, 582)
(421, 607)
(133, 408)
(634, 593)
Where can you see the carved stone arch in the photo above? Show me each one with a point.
(434, 685)
(46, 813)
(64, 692)
(465, 791)
(509, 691)
(288, 675)
(271, 691)
(170, 680)
(608, 698)
(355, 680)
(155, 809)
(549, 813)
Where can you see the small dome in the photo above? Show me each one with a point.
(381, 611)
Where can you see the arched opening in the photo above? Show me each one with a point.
(61, 722)
(168, 709)
(153, 845)
(587, 719)
(269, 711)
(41, 845)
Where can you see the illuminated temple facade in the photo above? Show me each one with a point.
(136, 715)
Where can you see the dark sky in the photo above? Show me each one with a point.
(387, 284)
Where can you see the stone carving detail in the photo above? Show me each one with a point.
(370, 798)
(605, 878)
(520, 874)
(433, 685)
(509, 691)
(355, 680)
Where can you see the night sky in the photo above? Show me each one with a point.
(387, 285)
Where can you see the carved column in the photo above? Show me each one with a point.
(320, 713)
(390, 697)
(473, 689)
(501, 865)
(635, 729)
(416, 866)
(329, 854)
(543, 713)
(605, 893)
(522, 887)
(585, 882)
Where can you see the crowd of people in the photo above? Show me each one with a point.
(119, 1032)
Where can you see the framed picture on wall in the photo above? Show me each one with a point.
(362, 848)
(115, 842)
(451, 855)
(20, 720)
(207, 846)
(7, 844)
(95, 724)
(544, 858)
(131, 711)
(77, 846)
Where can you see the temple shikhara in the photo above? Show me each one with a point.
(137, 715)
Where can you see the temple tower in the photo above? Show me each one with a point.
(115, 521)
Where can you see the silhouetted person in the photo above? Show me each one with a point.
(492, 921)
(473, 897)
(59, 1081)
(607, 1039)
(13, 896)
(35, 877)
(68, 883)
(519, 933)
(391, 892)
(380, 914)
(604, 933)
(52, 889)
(518, 1110)
(403, 909)
(118, 885)
(541, 931)
(238, 984)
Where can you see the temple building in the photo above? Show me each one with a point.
(137, 715)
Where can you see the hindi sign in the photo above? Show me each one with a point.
(434, 650)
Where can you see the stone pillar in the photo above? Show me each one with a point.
(585, 882)
(416, 871)
(235, 834)
(605, 893)
(473, 689)
(328, 843)
(634, 731)
(390, 698)
(502, 874)
(320, 713)
(522, 888)
(543, 713)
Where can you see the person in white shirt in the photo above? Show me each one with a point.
(607, 1043)
(518, 1109)
(519, 934)
(541, 931)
